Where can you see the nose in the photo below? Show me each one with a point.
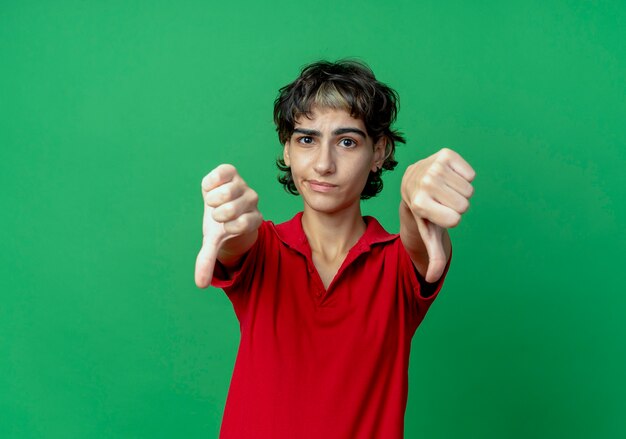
(325, 160)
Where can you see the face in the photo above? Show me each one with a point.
(331, 156)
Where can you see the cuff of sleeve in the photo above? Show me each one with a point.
(222, 279)
(426, 291)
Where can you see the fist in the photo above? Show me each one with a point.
(229, 204)
(438, 188)
(230, 210)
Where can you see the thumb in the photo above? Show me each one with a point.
(432, 235)
(205, 262)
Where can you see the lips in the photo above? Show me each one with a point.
(320, 186)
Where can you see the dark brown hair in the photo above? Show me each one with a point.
(349, 85)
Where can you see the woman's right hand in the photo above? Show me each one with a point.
(230, 214)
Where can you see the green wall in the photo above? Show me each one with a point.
(112, 112)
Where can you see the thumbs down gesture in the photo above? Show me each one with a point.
(435, 194)
(230, 223)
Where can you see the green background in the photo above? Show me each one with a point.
(112, 112)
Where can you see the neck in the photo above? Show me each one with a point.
(333, 234)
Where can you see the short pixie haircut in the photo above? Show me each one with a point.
(347, 85)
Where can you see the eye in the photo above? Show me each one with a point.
(347, 143)
(307, 140)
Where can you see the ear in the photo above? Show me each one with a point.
(286, 153)
(379, 154)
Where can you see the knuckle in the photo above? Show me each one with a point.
(244, 223)
(224, 196)
(223, 213)
(471, 174)
(437, 169)
(225, 171)
(215, 198)
(445, 154)
(258, 219)
(230, 170)
(464, 205)
(418, 203)
(418, 199)
(428, 180)
(228, 210)
(208, 181)
(454, 220)
(231, 228)
(237, 226)
(216, 173)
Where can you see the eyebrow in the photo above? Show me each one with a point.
(337, 132)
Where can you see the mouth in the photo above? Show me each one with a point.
(320, 186)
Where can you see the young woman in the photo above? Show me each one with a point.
(328, 302)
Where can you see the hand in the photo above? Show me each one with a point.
(230, 210)
(437, 191)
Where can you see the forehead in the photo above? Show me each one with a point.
(331, 117)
